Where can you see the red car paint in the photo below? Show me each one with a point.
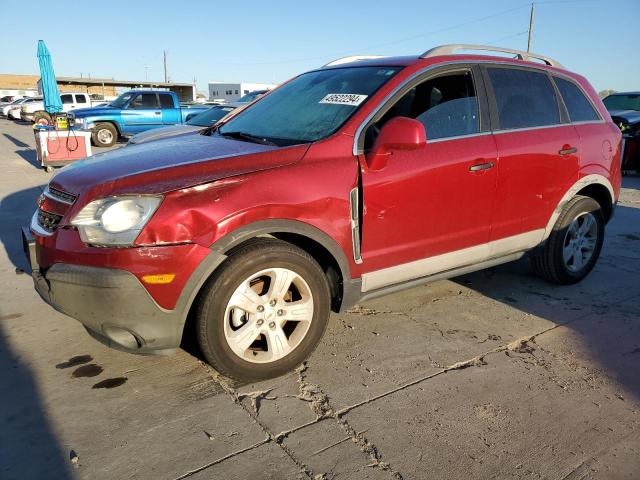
(422, 202)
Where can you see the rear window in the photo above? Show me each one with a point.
(524, 98)
(81, 99)
(166, 101)
(579, 108)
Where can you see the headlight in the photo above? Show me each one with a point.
(115, 221)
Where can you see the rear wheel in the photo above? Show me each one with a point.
(574, 245)
(104, 135)
(264, 312)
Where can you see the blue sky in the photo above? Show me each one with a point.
(272, 41)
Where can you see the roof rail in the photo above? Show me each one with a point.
(520, 54)
(352, 58)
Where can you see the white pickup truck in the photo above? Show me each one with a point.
(34, 111)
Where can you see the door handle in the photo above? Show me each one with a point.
(567, 150)
(481, 166)
(157, 113)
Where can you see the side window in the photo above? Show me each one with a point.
(446, 105)
(524, 98)
(81, 99)
(166, 101)
(144, 101)
(66, 98)
(579, 108)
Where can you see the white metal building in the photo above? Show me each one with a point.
(230, 92)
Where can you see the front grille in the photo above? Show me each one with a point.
(64, 197)
(48, 221)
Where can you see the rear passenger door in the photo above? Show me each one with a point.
(142, 113)
(537, 152)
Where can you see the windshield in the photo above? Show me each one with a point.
(622, 102)
(309, 107)
(209, 117)
(122, 100)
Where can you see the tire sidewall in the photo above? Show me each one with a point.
(211, 324)
(583, 205)
(98, 128)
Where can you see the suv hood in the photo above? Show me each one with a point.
(170, 164)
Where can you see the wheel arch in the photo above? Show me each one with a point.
(324, 249)
(595, 186)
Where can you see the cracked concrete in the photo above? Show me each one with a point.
(492, 375)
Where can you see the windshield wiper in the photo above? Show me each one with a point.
(247, 137)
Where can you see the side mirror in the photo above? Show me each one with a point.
(399, 133)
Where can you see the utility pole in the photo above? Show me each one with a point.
(530, 27)
(146, 73)
(165, 65)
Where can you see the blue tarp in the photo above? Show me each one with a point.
(52, 102)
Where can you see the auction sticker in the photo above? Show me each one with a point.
(352, 99)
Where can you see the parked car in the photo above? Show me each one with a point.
(15, 110)
(348, 182)
(5, 108)
(34, 111)
(8, 99)
(206, 118)
(625, 112)
(248, 98)
(133, 112)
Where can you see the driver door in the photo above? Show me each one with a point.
(144, 111)
(429, 210)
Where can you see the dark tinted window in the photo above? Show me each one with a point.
(66, 98)
(446, 105)
(209, 117)
(579, 108)
(144, 101)
(524, 98)
(166, 101)
(623, 101)
(81, 99)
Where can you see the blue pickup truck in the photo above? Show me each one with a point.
(133, 112)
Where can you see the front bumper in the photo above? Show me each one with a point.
(113, 305)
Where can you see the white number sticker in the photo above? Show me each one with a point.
(352, 99)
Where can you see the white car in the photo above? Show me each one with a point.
(8, 106)
(15, 110)
(70, 101)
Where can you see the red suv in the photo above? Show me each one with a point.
(358, 179)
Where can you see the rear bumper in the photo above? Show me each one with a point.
(113, 305)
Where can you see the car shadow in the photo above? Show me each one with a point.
(610, 293)
(16, 210)
(28, 446)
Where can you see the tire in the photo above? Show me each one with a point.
(43, 117)
(556, 262)
(104, 135)
(221, 328)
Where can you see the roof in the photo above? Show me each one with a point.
(118, 83)
(624, 93)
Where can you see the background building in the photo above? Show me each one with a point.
(230, 92)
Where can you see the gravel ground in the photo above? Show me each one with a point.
(496, 374)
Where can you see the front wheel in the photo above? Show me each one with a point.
(104, 135)
(572, 249)
(263, 312)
